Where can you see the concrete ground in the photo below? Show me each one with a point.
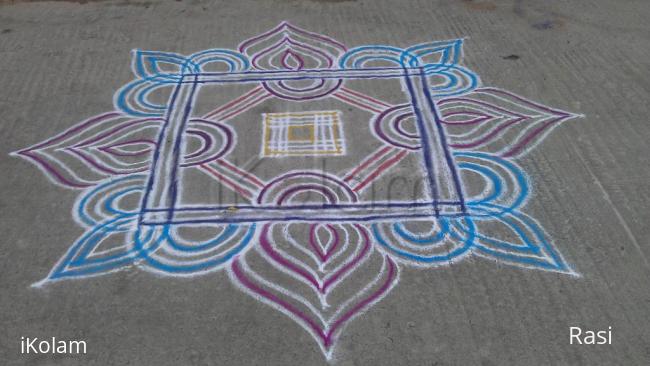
(61, 63)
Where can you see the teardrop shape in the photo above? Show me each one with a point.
(292, 60)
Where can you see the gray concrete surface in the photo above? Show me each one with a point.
(61, 62)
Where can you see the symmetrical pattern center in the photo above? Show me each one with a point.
(310, 172)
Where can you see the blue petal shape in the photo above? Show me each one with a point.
(496, 219)
(82, 259)
(147, 65)
(107, 244)
(531, 249)
(435, 55)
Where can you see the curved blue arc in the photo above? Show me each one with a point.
(491, 175)
(228, 61)
(420, 239)
(361, 60)
(121, 100)
(362, 49)
(149, 243)
(455, 87)
(83, 203)
(452, 80)
(467, 243)
(229, 231)
(141, 96)
(484, 204)
(199, 266)
(108, 203)
(245, 63)
(444, 58)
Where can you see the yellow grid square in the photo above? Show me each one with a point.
(293, 136)
(282, 134)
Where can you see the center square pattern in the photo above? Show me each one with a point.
(317, 228)
(302, 134)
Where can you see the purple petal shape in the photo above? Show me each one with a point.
(286, 280)
(95, 149)
(496, 121)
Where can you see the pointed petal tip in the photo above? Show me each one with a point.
(570, 115)
(328, 353)
(571, 272)
(562, 268)
(41, 284)
(578, 115)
